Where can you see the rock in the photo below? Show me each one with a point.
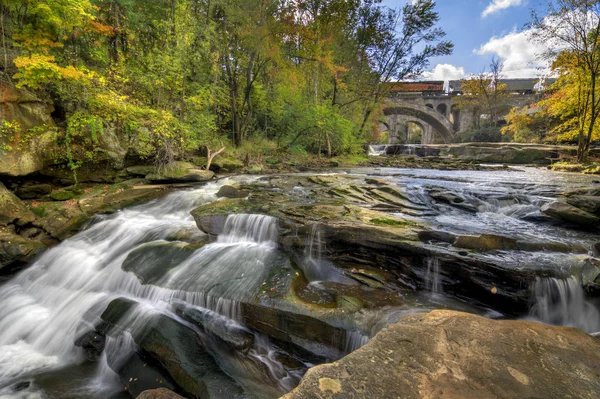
(272, 161)
(596, 250)
(486, 242)
(122, 198)
(150, 262)
(179, 351)
(562, 211)
(255, 169)
(459, 355)
(587, 203)
(33, 190)
(64, 195)
(12, 210)
(225, 329)
(226, 164)
(16, 250)
(160, 393)
(180, 172)
(93, 343)
(60, 219)
(138, 376)
(232, 192)
(211, 224)
(141, 170)
(453, 199)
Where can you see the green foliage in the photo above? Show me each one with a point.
(489, 134)
(169, 78)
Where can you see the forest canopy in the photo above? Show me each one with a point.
(175, 75)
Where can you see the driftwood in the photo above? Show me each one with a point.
(211, 156)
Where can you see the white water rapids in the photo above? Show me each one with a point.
(61, 295)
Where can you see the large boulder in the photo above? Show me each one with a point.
(12, 210)
(458, 355)
(562, 211)
(226, 164)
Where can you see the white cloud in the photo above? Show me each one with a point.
(498, 5)
(445, 72)
(519, 52)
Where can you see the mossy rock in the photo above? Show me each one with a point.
(12, 210)
(226, 164)
(272, 161)
(255, 169)
(65, 195)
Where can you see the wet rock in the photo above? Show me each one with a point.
(211, 224)
(16, 250)
(21, 386)
(596, 250)
(453, 199)
(225, 329)
(138, 375)
(562, 211)
(64, 195)
(150, 262)
(486, 242)
(12, 210)
(160, 393)
(179, 172)
(179, 350)
(93, 343)
(310, 333)
(452, 354)
(232, 192)
(587, 203)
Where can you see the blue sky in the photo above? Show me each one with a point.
(481, 29)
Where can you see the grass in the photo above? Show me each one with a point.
(390, 222)
(591, 168)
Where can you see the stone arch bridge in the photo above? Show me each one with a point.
(438, 119)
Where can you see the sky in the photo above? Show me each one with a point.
(481, 29)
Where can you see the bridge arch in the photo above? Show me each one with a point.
(432, 122)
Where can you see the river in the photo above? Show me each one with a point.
(60, 296)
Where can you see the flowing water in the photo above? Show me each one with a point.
(61, 295)
(45, 308)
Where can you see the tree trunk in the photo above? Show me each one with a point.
(210, 156)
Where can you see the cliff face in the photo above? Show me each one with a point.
(20, 154)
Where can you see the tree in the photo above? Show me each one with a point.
(484, 94)
(572, 28)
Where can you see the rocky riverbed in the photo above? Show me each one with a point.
(236, 288)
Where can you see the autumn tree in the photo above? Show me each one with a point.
(571, 28)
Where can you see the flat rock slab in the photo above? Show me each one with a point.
(160, 393)
(446, 354)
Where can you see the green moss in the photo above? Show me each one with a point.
(64, 195)
(390, 222)
(272, 161)
(39, 211)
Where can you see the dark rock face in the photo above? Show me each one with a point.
(452, 354)
(93, 343)
(17, 250)
(138, 375)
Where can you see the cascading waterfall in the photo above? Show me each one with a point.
(377, 150)
(433, 281)
(562, 302)
(47, 306)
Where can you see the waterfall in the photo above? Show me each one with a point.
(61, 295)
(377, 150)
(313, 265)
(355, 340)
(433, 282)
(562, 302)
